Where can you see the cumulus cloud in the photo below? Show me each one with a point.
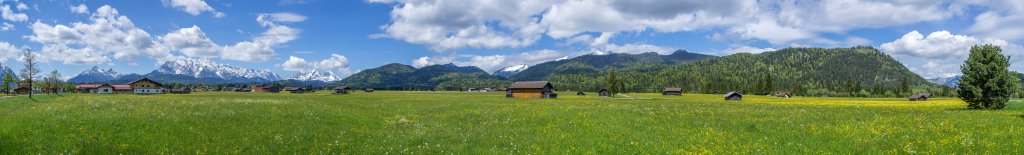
(193, 7)
(456, 24)
(284, 17)
(80, 9)
(8, 51)
(334, 63)
(106, 33)
(492, 63)
(10, 15)
(745, 49)
(941, 53)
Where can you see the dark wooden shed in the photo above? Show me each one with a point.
(531, 89)
(733, 96)
(672, 92)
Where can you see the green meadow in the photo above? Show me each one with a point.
(487, 123)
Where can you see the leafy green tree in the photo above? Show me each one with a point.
(8, 79)
(613, 82)
(987, 82)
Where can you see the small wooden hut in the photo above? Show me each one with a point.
(183, 90)
(368, 90)
(580, 93)
(604, 93)
(672, 92)
(341, 90)
(782, 95)
(733, 96)
(920, 97)
(531, 89)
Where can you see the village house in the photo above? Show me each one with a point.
(672, 92)
(146, 86)
(920, 97)
(531, 89)
(604, 93)
(733, 96)
(341, 90)
(183, 90)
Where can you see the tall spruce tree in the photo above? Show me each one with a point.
(987, 82)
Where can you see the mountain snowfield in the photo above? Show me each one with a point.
(511, 70)
(313, 75)
(95, 74)
(200, 68)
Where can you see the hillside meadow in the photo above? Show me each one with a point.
(487, 123)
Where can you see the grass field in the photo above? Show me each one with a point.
(475, 123)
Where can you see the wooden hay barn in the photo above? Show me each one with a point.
(21, 90)
(672, 92)
(341, 90)
(184, 90)
(368, 90)
(581, 93)
(604, 93)
(531, 89)
(733, 96)
(920, 97)
(782, 95)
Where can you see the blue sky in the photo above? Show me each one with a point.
(289, 36)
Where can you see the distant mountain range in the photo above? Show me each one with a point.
(593, 63)
(405, 77)
(313, 75)
(199, 71)
(511, 70)
(954, 80)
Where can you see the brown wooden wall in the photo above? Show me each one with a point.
(527, 93)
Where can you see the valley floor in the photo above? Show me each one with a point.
(487, 123)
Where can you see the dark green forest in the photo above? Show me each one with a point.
(858, 71)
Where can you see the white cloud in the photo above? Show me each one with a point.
(107, 33)
(6, 26)
(940, 53)
(193, 7)
(745, 49)
(8, 51)
(637, 48)
(191, 42)
(80, 9)
(492, 63)
(284, 17)
(10, 15)
(456, 24)
(22, 6)
(334, 63)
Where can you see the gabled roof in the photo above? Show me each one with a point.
(919, 95)
(146, 79)
(733, 93)
(674, 89)
(87, 86)
(122, 87)
(530, 85)
(603, 89)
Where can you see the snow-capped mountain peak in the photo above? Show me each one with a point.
(97, 71)
(200, 68)
(95, 74)
(316, 76)
(511, 70)
(515, 68)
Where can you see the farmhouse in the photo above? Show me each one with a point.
(21, 90)
(733, 96)
(184, 90)
(531, 89)
(920, 97)
(672, 92)
(782, 95)
(604, 93)
(86, 88)
(266, 89)
(341, 90)
(145, 86)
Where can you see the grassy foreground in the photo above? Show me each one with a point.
(474, 123)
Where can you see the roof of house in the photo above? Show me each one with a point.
(674, 89)
(530, 85)
(733, 93)
(919, 95)
(122, 87)
(146, 79)
(603, 89)
(87, 86)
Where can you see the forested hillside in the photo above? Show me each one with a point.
(437, 77)
(590, 64)
(857, 71)
(811, 71)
